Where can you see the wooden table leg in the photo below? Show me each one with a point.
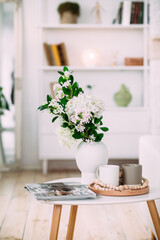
(155, 217)
(55, 222)
(71, 224)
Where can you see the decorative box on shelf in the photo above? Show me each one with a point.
(128, 61)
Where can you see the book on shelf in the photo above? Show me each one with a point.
(137, 13)
(62, 54)
(118, 18)
(126, 13)
(48, 54)
(59, 191)
(130, 12)
(56, 54)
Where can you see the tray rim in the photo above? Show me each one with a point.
(129, 192)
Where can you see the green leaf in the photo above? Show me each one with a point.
(64, 125)
(51, 110)
(6, 105)
(101, 123)
(71, 78)
(99, 137)
(42, 107)
(66, 91)
(104, 129)
(75, 85)
(89, 86)
(54, 119)
(65, 69)
(77, 135)
(65, 117)
(62, 73)
(63, 101)
(75, 93)
(97, 120)
(95, 134)
(61, 80)
(71, 127)
(80, 90)
(49, 98)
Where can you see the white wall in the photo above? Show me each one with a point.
(30, 83)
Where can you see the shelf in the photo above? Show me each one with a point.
(97, 68)
(93, 26)
(126, 109)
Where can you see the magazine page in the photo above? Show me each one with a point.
(59, 191)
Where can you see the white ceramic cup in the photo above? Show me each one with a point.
(108, 174)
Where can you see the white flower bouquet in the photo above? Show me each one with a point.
(80, 115)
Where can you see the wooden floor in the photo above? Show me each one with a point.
(22, 217)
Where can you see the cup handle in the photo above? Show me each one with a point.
(97, 173)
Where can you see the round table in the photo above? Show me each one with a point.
(154, 193)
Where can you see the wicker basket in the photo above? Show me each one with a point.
(68, 17)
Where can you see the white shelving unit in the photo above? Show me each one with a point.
(99, 68)
(93, 26)
(126, 124)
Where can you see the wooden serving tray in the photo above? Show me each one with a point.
(119, 193)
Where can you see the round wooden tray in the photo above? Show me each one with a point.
(119, 193)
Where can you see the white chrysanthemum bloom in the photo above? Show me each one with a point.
(65, 137)
(66, 74)
(57, 108)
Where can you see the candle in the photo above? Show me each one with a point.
(90, 57)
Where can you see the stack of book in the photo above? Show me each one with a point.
(130, 13)
(56, 54)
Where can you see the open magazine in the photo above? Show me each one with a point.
(59, 191)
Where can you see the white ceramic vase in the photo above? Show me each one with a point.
(89, 156)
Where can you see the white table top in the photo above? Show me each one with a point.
(154, 193)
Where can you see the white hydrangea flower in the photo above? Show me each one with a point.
(82, 108)
(91, 139)
(65, 137)
(57, 87)
(58, 91)
(57, 108)
(66, 74)
(80, 128)
(60, 94)
(66, 84)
